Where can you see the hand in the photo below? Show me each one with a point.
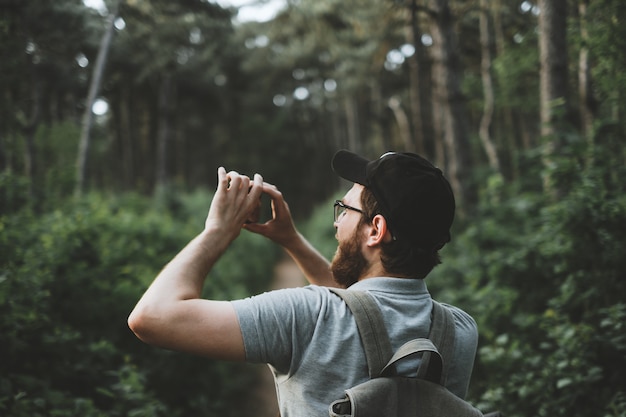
(280, 228)
(234, 203)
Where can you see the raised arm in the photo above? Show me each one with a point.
(282, 230)
(171, 314)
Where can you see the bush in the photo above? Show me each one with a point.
(69, 279)
(544, 281)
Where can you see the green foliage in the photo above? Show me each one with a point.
(544, 281)
(14, 192)
(68, 280)
(516, 74)
(53, 171)
(57, 147)
(606, 45)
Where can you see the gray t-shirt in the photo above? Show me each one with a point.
(310, 340)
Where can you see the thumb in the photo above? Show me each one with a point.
(255, 228)
(222, 179)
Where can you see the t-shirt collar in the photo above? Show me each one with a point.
(391, 285)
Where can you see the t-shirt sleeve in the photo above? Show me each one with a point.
(275, 325)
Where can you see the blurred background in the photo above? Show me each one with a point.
(114, 116)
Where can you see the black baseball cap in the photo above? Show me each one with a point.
(414, 196)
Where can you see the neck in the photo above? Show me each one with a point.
(377, 270)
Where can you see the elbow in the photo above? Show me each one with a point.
(141, 324)
(134, 321)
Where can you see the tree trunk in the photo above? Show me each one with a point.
(30, 130)
(553, 58)
(403, 124)
(437, 111)
(417, 89)
(352, 123)
(511, 137)
(446, 79)
(164, 135)
(380, 141)
(126, 136)
(94, 88)
(585, 92)
(487, 81)
(553, 84)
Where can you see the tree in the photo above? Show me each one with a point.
(488, 94)
(585, 92)
(554, 88)
(40, 79)
(449, 102)
(419, 82)
(167, 96)
(94, 88)
(166, 105)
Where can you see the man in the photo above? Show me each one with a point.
(389, 227)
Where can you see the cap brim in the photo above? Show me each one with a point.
(350, 166)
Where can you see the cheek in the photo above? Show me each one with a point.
(344, 231)
(349, 231)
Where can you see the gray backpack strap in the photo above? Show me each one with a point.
(442, 331)
(376, 342)
(371, 327)
(432, 370)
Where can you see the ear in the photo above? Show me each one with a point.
(378, 231)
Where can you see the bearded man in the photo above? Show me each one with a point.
(390, 227)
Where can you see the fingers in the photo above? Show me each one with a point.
(256, 188)
(237, 190)
(271, 190)
(222, 179)
(256, 228)
(280, 207)
(274, 193)
(237, 181)
(231, 180)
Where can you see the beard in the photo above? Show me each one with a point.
(348, 264)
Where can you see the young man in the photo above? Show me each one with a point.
(389, 227)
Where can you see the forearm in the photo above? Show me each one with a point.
(311, 262)
(183, 277)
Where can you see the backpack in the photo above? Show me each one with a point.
(386, 394)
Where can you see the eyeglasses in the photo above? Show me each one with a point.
(340, 210)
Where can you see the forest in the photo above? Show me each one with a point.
(113, 122)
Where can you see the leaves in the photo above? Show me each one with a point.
(543, 280)
(69, 279)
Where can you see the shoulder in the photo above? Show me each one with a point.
(466, 333)
(462, 319)
(465, 346)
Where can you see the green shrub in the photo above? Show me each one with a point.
(544, 280)
(14, 193)
(69, 279)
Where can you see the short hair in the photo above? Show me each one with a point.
(399, 256)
